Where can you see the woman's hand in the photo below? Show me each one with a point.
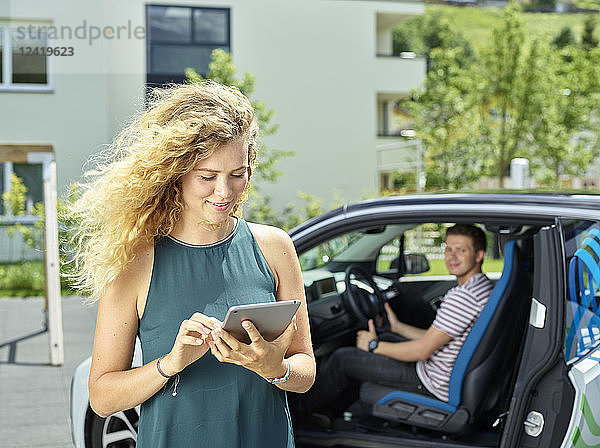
(392, 318)
(190, 343)
(260, 356)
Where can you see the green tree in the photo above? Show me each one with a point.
(222, 69)
(404, 181)
(437, 32)
(446, 120)
(536, 103)
(27, 277)
(564, 37)
(588, 39)
(33, 235)
(560, 133)
(508, 77)
(259, 208)
(14, 199)
(406, 38)
(425, 33)
(522, 99)
(263, 212)
(15, 203)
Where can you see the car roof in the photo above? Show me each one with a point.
(541, 208)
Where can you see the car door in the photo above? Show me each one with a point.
(541, 396)
(557, 395)
(582, 331)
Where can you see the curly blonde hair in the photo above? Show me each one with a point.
(134, 193)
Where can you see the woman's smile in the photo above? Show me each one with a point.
(219, 206)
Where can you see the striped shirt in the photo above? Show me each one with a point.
(455, 317)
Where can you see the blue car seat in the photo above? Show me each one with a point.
(482, 370)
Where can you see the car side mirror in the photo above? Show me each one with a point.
(415, 264)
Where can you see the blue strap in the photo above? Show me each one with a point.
(589, 298)
(592, 243)
(590, 266)
(593, 269)
(588, 290)
(576, 309)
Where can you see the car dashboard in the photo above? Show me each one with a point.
(321, 283)
(331, 321)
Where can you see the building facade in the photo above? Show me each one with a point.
(325, 66)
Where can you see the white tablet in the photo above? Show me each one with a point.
(270, 318)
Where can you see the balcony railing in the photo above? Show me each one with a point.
(401, 154)
(394, 73)
(401, 55)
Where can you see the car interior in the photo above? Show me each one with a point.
(348, 278)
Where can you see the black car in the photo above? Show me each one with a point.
(529, 372)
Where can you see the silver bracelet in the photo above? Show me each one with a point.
(281, 379)
(160, 370)
(164, 375)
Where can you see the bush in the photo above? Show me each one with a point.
(26, 279)
(588, 39)
(564, 38)
(22, 279)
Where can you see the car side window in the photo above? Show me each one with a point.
(582, 323)
(427, 240)
(387, 260)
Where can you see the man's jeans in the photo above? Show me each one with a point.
(338, 381)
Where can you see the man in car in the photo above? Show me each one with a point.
(416, 359)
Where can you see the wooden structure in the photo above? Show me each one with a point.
(44, 155)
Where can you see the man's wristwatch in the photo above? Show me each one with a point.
(373, 343)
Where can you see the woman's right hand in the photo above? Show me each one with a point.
(190, 343)
(392, 318)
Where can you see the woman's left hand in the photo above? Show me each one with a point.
(262, 357)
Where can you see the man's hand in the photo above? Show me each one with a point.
(363, 337)
(404, 330)
(393, 319)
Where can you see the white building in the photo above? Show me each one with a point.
(325, 66)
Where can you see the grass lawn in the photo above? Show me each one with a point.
(439, 268)
(476, 23)
(588, 4)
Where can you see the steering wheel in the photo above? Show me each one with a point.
(364, 304)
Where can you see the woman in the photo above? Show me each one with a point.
(164, 249)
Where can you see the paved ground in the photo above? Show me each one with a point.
(34, 396)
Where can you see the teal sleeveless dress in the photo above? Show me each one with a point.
(218, 405)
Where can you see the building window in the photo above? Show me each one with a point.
(24, 64)
(181, 37)
(31, 175)
(3, 187)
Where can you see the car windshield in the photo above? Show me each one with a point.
(381, 244)
(322, 254)
(357, 246)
